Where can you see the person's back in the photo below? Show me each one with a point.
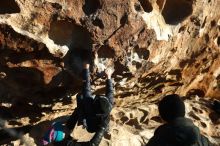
(178, 130)
(96, 118)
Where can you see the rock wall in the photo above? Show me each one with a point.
(156, 47)
(175, 40)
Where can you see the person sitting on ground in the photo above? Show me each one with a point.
(93, 112)
(178, 130)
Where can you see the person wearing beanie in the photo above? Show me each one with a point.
(171, 107)
(177, 130)
(54, 134)
(93, 112)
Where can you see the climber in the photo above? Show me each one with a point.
(93, 112)
(178, 130)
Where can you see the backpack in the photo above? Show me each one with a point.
(98, 114)
(102, 106)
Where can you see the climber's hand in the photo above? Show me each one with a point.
(85, 65)
(109, 72)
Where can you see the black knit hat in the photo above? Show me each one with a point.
(102, 105)
(171, 107)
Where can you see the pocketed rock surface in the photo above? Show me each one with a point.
(156, 47)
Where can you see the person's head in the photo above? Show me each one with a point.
(102, 105)
(171, 107)
(54, 134)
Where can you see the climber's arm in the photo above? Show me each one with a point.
(71, 122)
(109, 86)
(86, 89)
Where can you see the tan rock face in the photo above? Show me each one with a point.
(156, 47)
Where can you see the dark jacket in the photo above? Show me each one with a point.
(86, 110)
(180, 132)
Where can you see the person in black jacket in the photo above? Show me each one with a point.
(178, 130)
(93, 112)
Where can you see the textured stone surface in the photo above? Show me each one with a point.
(156, 47)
